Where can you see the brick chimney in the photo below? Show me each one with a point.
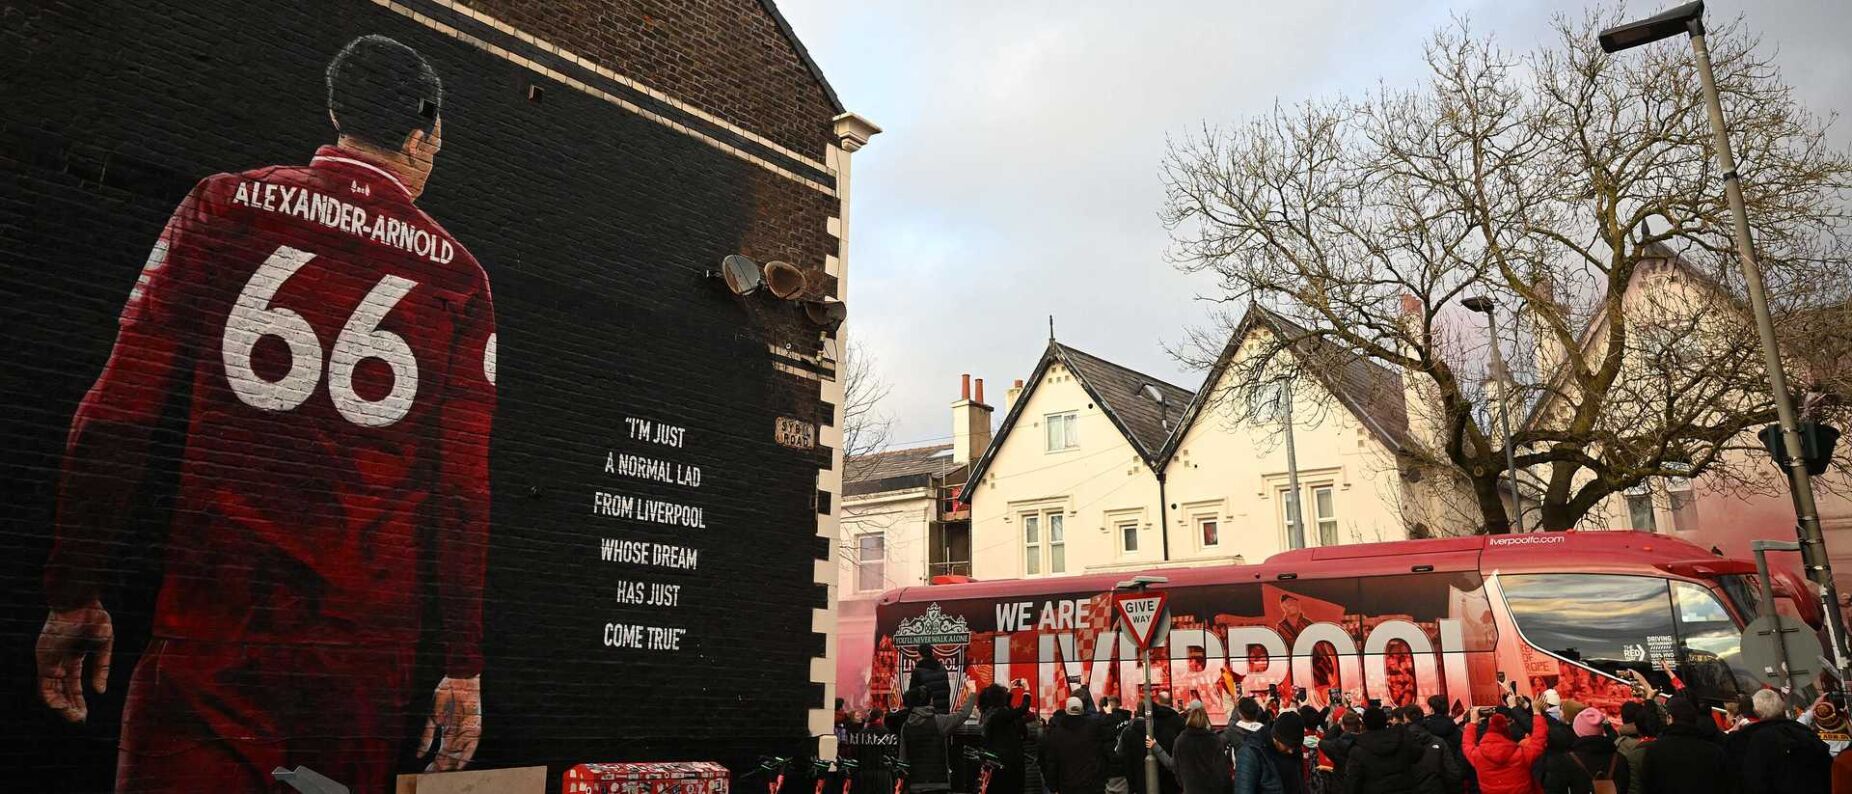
(1420, 398)
(970, 422)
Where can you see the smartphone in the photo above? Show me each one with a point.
(1501, 676)
(1074, 679)
(1335, 694)
(1273, 690)
(1514, 686)
(1376, 703)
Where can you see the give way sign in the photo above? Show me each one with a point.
(1139, 614)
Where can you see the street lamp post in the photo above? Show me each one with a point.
(1295, 535)
(1689, 19)
(1501, 374)
(1138, 584)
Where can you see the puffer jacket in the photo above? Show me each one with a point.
(1383, 762)
(1503, 766)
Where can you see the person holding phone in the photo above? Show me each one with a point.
(1003, 716)
(1502, 764)
(922, 737)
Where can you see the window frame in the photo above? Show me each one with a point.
(1121, 526)
(1716, 622)
(1633, 498)
(1032, 544)
(862, 562)
(1320, 519)
(1682, 498)
(1214, 522)
(1265, 401)
(1285, 517)
(1055, 523)
(1070, 431)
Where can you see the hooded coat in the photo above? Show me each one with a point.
(1003, 729)
(1783, 757)
(1503, 765)
(1683, 760)
(1437, 770)
(1257, 771)
(1383, 762)
(1442, 727)
(922, 745)
(1337, 747)
(930, 675)
(1072, 753)
(1200, 760)
(1588, 757)
(1632, 746)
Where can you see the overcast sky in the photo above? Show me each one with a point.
(1017, 176)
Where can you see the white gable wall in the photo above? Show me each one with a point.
(1235, 472)
(1103, 476)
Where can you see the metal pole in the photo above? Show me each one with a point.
(1295, 533)
(1807, 525)
(1502, 374)
(1151, 762)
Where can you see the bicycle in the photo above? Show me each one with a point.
(774, 766)
(898, 769)
(845, 771)
(990, 763)
(820, 769)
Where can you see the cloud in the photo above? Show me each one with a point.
(1018, 174)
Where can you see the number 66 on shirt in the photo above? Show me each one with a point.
(252, 317)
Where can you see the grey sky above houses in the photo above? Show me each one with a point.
(1018, 174)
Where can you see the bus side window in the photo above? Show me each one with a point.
(1710, 642)
(1609, 622)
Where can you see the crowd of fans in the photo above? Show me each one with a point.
(1653, 744)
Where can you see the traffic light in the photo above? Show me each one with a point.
(1817, 442)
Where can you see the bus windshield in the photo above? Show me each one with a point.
(1616, 622)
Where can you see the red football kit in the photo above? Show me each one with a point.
(336, 349)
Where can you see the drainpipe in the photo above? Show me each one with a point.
(1163, 515)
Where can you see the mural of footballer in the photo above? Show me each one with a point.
(334, 348)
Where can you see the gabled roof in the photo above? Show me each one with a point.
(1593, 332)
(899, 469)
(1370, 391)
(1121, 395)
(1116, 390)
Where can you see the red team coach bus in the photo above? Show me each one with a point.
(1396, 622)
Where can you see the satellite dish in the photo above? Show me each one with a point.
(740, 274)
(827, 313)
(785, 280)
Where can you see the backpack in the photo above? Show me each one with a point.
(1604, 782)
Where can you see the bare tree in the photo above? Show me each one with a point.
(1549, 182)
(865, 427)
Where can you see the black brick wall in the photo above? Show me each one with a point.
(594, 225)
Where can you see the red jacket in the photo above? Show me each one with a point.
(1504, 765)
(334, 348)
